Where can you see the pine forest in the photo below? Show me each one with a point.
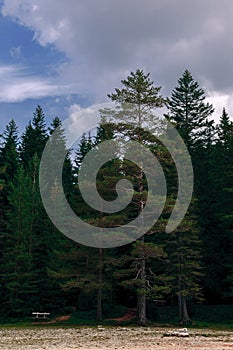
(180, 272)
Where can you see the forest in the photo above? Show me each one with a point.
(43, 270)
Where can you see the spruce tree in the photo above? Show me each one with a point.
(34, 138)
(9, 163)
(85, 272)
(85, 145)
(105, 180)
(218, 233)
(183, 247)
(190, 113)
(225, 130)
(17, 268)
(58, 147)
(9, 157)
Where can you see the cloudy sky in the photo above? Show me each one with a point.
(70, 53)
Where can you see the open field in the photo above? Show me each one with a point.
(111, 338)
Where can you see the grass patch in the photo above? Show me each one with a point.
(204, 316)
(217, 317)
(222, 314)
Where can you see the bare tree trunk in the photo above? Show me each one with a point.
(185, 316)
(183, 311)
(99, 290)
(141, 297)
(180, 306)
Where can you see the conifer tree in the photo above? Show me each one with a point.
(134, 103)
(183, 247)
(58, 147)
(85, 145)
(190, 113)
(34, 138)
(9, 157)
(105, 176)
(218, 233)
(225, 130)
(17, 267)
(9, 163)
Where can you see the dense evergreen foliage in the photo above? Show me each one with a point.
(42, 270)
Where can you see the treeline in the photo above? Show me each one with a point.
(43, 270)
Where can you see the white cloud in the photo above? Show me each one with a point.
(15, 52)
(17, 86)
(104, 40)
(82, 120)
(20, 91)
(219, 101)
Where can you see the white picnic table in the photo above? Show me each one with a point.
(40, 314)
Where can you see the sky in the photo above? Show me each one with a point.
(69, 54)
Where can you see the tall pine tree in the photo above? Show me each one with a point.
(134, 103)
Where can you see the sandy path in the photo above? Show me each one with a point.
(111, 338)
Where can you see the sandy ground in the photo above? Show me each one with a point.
(111, 338)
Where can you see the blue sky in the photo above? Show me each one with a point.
(24, 61)
(69, 54)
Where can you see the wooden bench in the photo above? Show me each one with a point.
(40, 315)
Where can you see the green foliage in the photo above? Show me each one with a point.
(34, 138)
(42, 270)
(190, 113)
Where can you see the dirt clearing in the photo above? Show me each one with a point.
(111, 338)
